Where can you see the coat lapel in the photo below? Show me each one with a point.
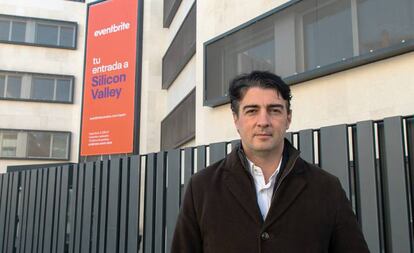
(288, 191)
(242, 190)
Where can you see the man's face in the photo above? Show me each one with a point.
(262, 121)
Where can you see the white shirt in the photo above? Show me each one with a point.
(264, 191)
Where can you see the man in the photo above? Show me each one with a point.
(263, 197)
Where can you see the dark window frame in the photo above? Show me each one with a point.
(352, 62)
(35, 21)
(69, 134)
(45, 75)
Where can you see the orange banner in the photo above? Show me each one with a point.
(110, 78)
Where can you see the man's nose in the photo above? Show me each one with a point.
(263, 119)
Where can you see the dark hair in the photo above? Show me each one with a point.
(263, 79)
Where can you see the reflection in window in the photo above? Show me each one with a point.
(14, 85)
(4, 29)
(309, 35)
(2, 85)
(63, 90)
(393, 22)
(43, 88)
(59, 145)
(327, 33)
(18, 31)
(66, 36)
(38, 144)
(46, 34)
(8, 144)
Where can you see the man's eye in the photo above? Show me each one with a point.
(276, 111)
(251, 111)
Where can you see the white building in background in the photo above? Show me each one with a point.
(347, 61)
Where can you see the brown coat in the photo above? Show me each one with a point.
(309, 212)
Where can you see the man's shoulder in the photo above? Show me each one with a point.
(317, 174)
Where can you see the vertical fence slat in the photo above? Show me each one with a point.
(72, 209)
(79, 208)
(160, 204)
(3, 207)
(396, 206)
(96, 208)
(26, 197)
(103, 207)
(31, 211)
(123, 206)
(87, 207)
(134, 207)
(217, 152)
(334, 153)
(188, 165)
(42, 212)
(57, 209)
(150, 174)
(366, 170)
(113, 202)
(173, 193)
(38, 208)
(12, 212)
(201, 157)
(63, 209)
(289, 136)
(306, 145)
(50, 192)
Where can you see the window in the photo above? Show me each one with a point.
(302, 40)
(46, 32)
(38, 87)
(10, 86)
(26, 144)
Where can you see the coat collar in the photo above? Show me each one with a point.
(240, 183)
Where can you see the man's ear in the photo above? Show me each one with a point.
(289, 119)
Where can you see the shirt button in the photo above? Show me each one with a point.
(265, 236)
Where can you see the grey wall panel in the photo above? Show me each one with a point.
(87, 207)
(306, 145)
(3, 207)
(150, 174)
(96, 207)
(72, 208)
(173, 193)
(123, 205)
(63, 209)
(366, 170)
(79, 208)
(113, 203)
(134, 206)
(160, 204)
(50, 192)
(289, 137)
(217, 152)
(170, 8)
(188, 165)
(396, 205)
(201, 157)
(334, 153)
(103, 207)
(235, 143)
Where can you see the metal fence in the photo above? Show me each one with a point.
(105, 206)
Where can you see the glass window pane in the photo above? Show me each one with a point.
(327, 33)
(38, 144)
(66, 36)
(18, 31)
(60, 144)
(9, 144)
(4, 29)
(43, 88)
(63, 90)
(14, 85)
(46, 34)
(2, 85)
(383, 23)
